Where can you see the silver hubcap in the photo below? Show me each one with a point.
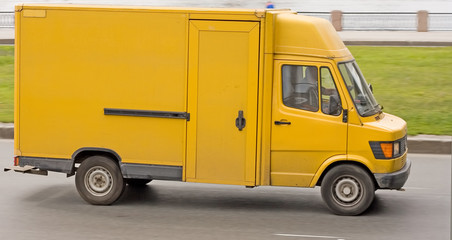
(347, 191)
(98, 181)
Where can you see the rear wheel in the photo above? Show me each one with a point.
(134, 182)
(348, 190)
(99, 180)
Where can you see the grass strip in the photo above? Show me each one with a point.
(6, 83)
(414, 83)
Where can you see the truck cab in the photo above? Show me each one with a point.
(327, 127)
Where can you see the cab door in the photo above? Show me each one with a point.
(308, 123)
(222, 101)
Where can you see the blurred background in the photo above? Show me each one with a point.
(297, 5)
(356, 14)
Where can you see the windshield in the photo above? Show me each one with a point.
(359, 90)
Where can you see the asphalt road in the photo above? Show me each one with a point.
(38, 207)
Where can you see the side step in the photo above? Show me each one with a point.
(27, 169)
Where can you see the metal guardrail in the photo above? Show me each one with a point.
(440, 22)
(400, 21)
(379, 21)
(6, 19)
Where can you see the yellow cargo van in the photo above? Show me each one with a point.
(124, 95)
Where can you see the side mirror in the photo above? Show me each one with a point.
(371, 88)
(335, 107)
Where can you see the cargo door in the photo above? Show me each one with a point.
(222, 102)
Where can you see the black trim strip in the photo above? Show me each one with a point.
(148, 171)
(146, 113)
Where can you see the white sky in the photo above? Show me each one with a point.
(297, 5)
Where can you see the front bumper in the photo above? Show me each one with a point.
(394, 180)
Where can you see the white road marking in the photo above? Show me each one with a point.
(307, 236)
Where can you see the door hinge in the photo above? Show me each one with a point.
(345, 116)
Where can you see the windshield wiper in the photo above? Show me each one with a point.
(371, 110)
(381, 108)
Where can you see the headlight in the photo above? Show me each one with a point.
(396, 149)
(388, 150)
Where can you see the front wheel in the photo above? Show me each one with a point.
(99, 180)
(348, 190)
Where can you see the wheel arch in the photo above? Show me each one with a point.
(331, 163)
(83, 153)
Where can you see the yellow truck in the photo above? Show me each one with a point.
(121, 95)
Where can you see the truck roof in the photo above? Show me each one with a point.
(95, 7)
(293, 34)
(309, 36)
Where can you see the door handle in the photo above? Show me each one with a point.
(240, 121)
(282, 123)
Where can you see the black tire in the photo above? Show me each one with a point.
(99, 180)
(348, 190)
(134, 182)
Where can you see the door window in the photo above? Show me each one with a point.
(331, 102)
(300, 87)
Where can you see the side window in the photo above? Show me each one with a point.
(331, 102)
(300, 87)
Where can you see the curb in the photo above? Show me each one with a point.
(428, 144)
(7, 41)
(6, 130)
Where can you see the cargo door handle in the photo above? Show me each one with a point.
(240, 121)
(282, 123)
